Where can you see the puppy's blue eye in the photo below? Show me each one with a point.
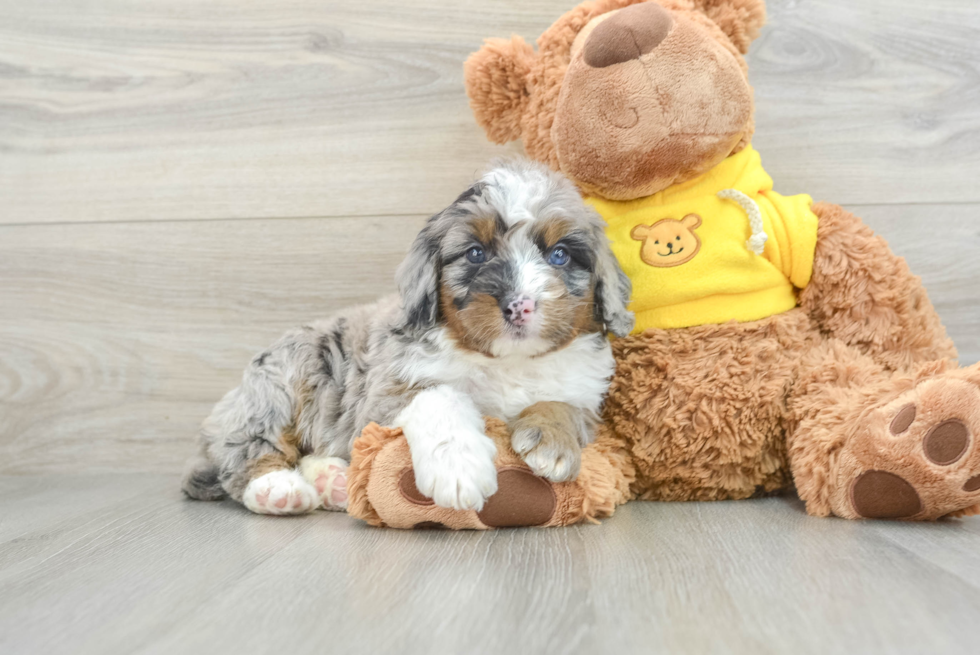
(558, 257)
(476, 255)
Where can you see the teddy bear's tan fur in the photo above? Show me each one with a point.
(383, 492)
(514, 93)
(817, 397)
(853, 397)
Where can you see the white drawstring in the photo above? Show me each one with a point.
(757, 242)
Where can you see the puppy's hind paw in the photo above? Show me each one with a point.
(281, 492)
(329, 476)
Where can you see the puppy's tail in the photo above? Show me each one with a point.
(201, 481)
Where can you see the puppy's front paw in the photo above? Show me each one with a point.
(552, 455)
(548, 443)
(452, 457)
(458, 473)
(280, 492)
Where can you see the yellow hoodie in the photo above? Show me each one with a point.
(691, 253)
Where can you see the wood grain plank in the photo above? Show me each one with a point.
(950, 545)
(175, 109)
(154, 573)
(763, 577)
(103, 581)
(118, 338)
(132, 110)
(870, 102)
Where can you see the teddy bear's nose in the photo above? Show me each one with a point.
(627, 35)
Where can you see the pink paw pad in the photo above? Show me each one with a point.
(279, 492)
(328, 475)
(339, 493)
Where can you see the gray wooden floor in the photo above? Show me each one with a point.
(122, 564)
(181, 180)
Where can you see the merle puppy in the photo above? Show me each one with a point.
(505, 302)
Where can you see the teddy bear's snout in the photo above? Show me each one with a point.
(627, 35)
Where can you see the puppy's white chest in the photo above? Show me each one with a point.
(577, 375)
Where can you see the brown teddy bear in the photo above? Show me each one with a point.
(779, 343)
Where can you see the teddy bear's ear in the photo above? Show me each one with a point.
(741, 20)
(496, 82)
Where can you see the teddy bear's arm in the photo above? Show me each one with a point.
(864, 295)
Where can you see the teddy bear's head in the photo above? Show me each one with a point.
(626, 97)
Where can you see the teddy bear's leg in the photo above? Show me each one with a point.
(382, 490)
(703, 409)
(884, 425)
(864, 295)
(866, 442)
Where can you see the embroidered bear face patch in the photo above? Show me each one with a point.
(668, 242)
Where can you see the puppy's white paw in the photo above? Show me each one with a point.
(329, 476)
(280, 492)
(458, 474)
(452, 457)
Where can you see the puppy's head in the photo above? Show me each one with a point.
(517, 265)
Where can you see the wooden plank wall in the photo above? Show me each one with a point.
(181, 181)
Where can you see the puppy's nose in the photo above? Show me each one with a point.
(629, 34)
(519, 311)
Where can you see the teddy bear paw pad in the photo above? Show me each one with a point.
(410, 490)
(926, 462)
(522, 499)
(884, 495)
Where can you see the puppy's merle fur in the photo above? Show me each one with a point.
(505, 301)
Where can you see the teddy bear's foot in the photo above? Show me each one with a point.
(522, 500)
(919, 458)
(383, 492)
(329, 476)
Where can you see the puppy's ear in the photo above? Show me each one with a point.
(419, 273)
(418, 277)
(612, 288)
(497, 83)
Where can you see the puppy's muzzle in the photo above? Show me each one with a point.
(518, 311)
